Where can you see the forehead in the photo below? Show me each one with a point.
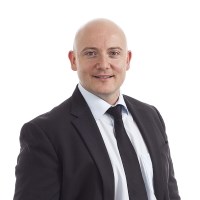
(100, 35)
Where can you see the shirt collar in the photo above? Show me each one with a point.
(97, 105)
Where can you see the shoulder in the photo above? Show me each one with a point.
(47, 127)
(56, 112)
(52, 118)
(59, 112)
(138, 104)
(145, 110)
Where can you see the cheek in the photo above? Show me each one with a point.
(120, 65)
(121, 69)
(83, 73)
(84, 66)
(121, 72)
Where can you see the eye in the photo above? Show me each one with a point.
(90, 53)
(114, 53)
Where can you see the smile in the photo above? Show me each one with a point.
(104, 76)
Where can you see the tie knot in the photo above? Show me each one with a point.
(115, 111)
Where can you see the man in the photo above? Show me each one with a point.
(72, 152)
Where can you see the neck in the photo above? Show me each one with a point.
(108, 98)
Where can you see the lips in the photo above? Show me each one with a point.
(103, 76)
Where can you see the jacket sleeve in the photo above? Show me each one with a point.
(37, 171)
(172, 184)
(172, 187)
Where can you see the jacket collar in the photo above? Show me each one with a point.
(87, 128)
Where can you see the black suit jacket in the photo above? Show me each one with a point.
(63, 156)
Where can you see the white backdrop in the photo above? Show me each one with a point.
(35, 74)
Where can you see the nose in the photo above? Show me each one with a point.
(103, 63)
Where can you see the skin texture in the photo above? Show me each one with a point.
(101, 58)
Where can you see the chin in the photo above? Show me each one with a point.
(104, 91)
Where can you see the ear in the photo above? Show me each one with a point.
(72, 58)
(129, 56)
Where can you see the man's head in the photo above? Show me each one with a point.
(101, 58)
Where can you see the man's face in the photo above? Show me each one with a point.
(101, 60)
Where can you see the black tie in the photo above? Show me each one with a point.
(135, 183)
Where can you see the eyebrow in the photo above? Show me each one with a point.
(114, 48)
(88, 48)
(94, 48)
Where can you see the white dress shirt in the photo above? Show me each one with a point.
(105, 124)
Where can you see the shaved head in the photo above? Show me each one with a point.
(98, 26)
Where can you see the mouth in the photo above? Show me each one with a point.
(103, 77)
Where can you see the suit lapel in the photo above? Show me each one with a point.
(89, 132)
(149, 132)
